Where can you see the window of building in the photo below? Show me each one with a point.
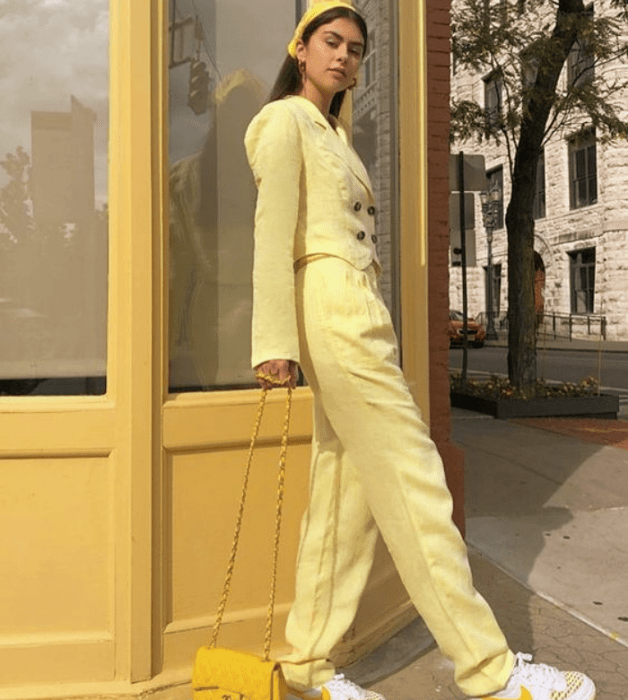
(495, 181)
(582, 274)
(581, 62)
(369, 67)
(539, 193)
(582, 171)
(493, 87)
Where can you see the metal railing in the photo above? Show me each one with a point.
(558, 326)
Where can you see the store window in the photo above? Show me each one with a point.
(582, 273)
(53, 197)
(223, 60)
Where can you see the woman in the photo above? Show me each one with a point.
(374, 467)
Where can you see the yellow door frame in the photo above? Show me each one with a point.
(136, 365)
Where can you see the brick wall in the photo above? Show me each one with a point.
(438, 58)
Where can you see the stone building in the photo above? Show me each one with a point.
(581, 225)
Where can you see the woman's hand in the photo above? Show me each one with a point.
(277, 373)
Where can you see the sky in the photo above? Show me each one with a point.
(49, 51)
(52, 49)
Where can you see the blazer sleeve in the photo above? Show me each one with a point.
(273, 147)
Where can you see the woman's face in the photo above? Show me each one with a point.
(333, 55)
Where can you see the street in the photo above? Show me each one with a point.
(558, 365)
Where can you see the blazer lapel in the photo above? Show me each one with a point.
(337, 142)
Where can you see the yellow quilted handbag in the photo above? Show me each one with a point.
(227, 674)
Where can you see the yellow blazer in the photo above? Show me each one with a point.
(314, 196)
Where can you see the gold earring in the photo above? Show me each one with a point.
(302, 68)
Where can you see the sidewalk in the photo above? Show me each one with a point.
(547, 527)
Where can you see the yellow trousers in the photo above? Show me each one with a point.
(374, 467)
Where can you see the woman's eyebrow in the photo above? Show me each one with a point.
(341, 38)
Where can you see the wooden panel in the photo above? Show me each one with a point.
(56, 558)
(202, 496)
(57, 586)
(193, 421)
(53, 659)
(53, 426)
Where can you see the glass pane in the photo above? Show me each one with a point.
(582, 193)
(592, 170)
(224, 59)
(375, 135)
(238, 48)
(53, 196)
(581, 164)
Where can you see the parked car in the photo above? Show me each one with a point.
(475, 331)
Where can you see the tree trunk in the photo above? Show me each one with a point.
(519, 216)
(521, 311)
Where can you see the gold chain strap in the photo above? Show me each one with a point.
(236, 535)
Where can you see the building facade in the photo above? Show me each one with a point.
(581, 221)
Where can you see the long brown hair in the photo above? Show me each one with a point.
(289, 81)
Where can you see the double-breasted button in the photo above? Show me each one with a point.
(374, 239)
(361, 236)
(371, 210)
(357, 206)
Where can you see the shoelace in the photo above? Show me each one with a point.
(525, 671)
(350, 690)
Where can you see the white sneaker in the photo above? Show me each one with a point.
(540, 682)
(312, 694)
(341, 688)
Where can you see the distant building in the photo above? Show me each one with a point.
(581, 223)
(62, 178)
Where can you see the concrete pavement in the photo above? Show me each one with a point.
(547, 526)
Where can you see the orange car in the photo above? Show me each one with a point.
(475, 331)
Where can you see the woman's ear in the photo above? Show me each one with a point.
(301, 49)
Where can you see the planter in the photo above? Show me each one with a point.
(583, 406)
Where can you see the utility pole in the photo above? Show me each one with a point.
(490, 205)
(463, 260)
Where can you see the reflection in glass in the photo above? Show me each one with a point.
(218, 82)
(375, 135)
(224, 58)
(53, 197)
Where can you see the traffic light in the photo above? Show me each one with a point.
(198, 91)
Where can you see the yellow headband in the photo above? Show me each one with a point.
(310, 15)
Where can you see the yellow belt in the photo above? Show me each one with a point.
(302, 262)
